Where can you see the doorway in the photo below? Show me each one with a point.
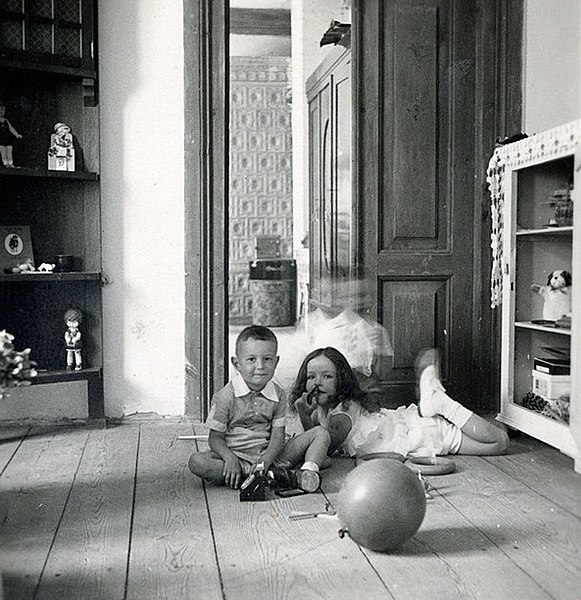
(289, 230)
(415, 267)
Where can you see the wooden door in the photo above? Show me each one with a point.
(416, 135)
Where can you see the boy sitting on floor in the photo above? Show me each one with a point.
(247, 419)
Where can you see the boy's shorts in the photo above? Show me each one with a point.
(244, 464)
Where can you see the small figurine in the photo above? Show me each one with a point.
(73, 318)
(46, 268)
(556, 295)
(26, 267)
(7, 133)
(61, 154)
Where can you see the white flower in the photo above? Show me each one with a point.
(16, 368)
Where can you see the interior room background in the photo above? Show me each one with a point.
(141, 66)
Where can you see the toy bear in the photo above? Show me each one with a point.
(556, 295)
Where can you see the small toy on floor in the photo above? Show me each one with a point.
(278, 481)
(258, 486)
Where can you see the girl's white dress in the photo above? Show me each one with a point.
(402, 430)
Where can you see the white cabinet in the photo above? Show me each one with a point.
(536, 235)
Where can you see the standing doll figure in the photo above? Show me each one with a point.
(73, 318)
(61, 154)
(7, 135)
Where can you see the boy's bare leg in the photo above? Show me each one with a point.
(207, 466)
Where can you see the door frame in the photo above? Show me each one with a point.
(206, 105)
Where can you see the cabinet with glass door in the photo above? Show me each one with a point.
(539, 262)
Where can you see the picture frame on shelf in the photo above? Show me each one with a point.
(15, 247)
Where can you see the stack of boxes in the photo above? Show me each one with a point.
(551, 378)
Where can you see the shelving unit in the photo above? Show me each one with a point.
(48, 75)
(533, 246)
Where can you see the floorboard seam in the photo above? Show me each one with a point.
(132, 520)
(211, 525)
(73, 480)
(24, 436)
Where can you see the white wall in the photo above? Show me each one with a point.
(552, 63)
(142, 189)
(260, 45)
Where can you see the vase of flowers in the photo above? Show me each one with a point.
(16, 368)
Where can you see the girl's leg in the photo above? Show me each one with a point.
(309, 447)
(208, 466)
(4, 156)
(479, 437)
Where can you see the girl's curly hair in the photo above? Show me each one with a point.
(348, 388)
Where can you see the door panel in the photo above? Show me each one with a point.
(418, 308)
(417, 132)
(412, 129)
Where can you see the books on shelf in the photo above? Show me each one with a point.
(552, 366)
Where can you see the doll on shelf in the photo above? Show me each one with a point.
(61, 154)
(7, 135)
(73, 318)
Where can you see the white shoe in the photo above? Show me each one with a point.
(308, 481)
(427, 368)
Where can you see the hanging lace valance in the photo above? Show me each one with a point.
(546, 145)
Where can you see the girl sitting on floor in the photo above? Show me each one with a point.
(326, 393)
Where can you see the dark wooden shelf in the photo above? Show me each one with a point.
(43, 64)
(50, 277)
(28, 172)
(64, 375)
(94, 378)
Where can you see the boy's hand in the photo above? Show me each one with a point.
(232, 472)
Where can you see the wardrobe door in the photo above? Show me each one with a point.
(416, 133)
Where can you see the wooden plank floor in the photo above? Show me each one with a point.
(114, 513)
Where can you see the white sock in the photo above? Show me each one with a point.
(450, 409)
(310, 466)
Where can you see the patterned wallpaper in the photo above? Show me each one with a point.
(260, 168)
